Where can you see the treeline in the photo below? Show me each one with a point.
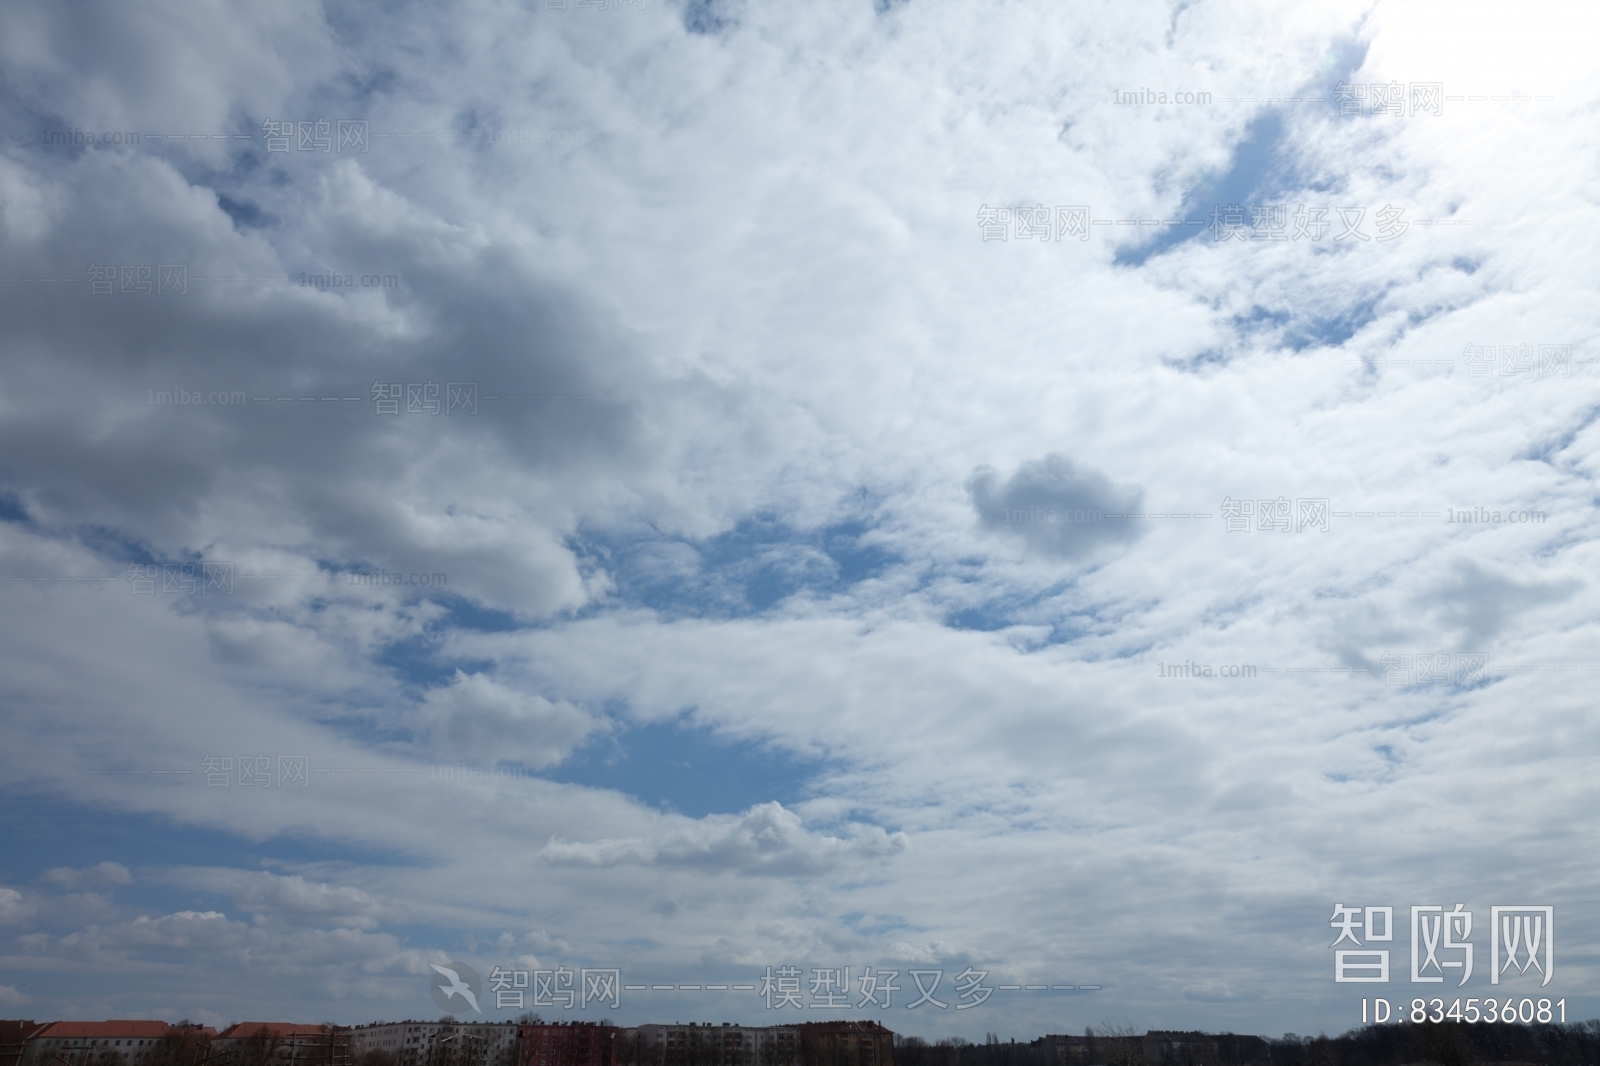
(1447, 1044)
(1444, 1044)
(915, 1051)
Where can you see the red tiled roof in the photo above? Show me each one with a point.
(271, 1031)
(114, 1029)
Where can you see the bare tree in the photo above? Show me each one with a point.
(1115, 1044)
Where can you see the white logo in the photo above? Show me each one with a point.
(1524, 929)
(1440, 943)
(1426, 925)
(457, 979)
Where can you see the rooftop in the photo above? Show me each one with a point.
(117, 1028)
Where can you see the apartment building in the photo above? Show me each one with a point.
(568, 1044)
(846, 1043)
(281, 1044)
(441, 1043)
(716, 1045)
(130, 1041)
(475, 1044)
(1167, 1047)
(1065, 1049)
(410, 1042)
(14, 1037)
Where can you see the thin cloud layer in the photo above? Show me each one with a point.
(766, 840)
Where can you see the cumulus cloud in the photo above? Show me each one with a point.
(477, 718)
(207, 939)
(291, 899)
(1057, 506)
(13, 908)
(185, 930)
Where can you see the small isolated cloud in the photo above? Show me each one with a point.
(185, 930)
(476, 718)
(535, 940)
(10, 997)
(301, 902)
(935, 951)
(13, 908)
(768, 839)
(539, 940)
(1058, 507)
(1207, 992)
(106, 873)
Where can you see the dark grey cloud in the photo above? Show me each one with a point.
(1057, 506)
(566, 411)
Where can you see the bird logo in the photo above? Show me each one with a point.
(457, 979)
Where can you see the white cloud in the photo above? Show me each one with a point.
(105, 873)
(1207, 992)
(13, 908)
(294, 900)
(475, 717)
(736, 346)
(767, 840)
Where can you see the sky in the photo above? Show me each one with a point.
(788, 494)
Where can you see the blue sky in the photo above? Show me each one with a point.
(694, 542)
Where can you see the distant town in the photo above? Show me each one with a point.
(531, 1041)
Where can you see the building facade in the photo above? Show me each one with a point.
(568, 1044)
(118, 1042)
(1065, 1049)
(409, 1042)
(1239, 1049)
(14, 1037)
(1166, 1047)
(715, 1045)
(846, 1043)
(441, 1043)
(474, 1044)
(281, 1044)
